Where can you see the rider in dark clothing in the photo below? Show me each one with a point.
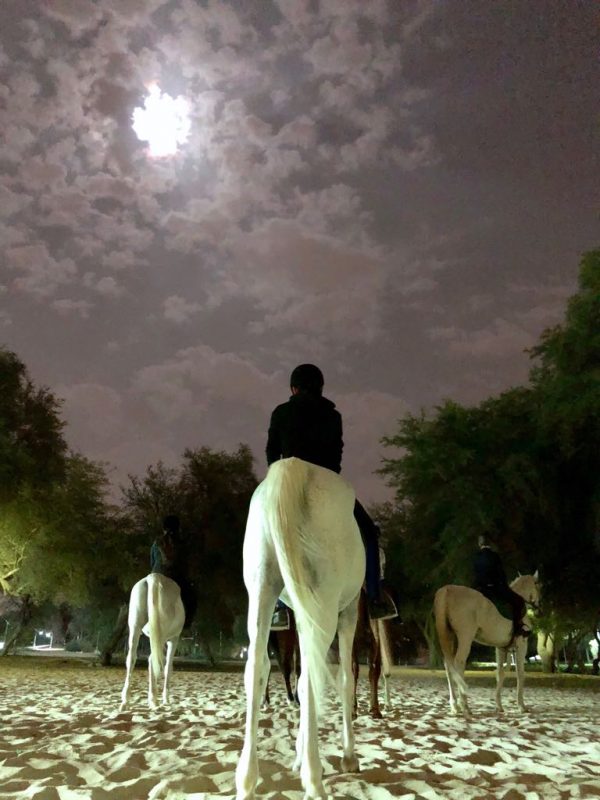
(489, 578)
(167, 557)
(309, 427)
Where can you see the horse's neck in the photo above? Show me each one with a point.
(519, 585)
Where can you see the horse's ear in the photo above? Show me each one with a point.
(536, 575)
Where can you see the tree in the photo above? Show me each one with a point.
(210, 493)
(522, 468)
(32, 447)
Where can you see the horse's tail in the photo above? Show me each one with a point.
(446, 636)
(297, 548)
(154, 613)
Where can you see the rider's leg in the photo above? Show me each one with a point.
(379, 604)
(518, 613)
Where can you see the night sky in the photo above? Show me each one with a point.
(397, 191)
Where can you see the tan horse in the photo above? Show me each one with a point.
(464, 616)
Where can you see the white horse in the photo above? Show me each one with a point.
(302, 543)
(464, 615)
(155, 609)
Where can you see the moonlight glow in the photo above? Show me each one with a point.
(163, 122)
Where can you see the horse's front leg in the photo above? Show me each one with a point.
(501, 656)
(171, 648)
(520, 653)
(134, 638)
(256, 674)
(347, 684)
(374, 671)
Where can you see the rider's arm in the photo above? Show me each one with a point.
(339, 442)
(273, 440)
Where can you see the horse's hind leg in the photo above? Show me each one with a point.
(287, 664)
(460, 662)
(171, 647)
(266, 701)
(448, 666)
(134, 638)
(501, 656)
(152, 684)
(260, 610)
(374, 671)
(520, 654)
(307, 745)
(346, 631)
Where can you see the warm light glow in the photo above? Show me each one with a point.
(163, 122)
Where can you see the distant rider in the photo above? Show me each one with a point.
(168, 557)
(489, 578)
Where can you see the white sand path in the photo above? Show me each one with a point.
(61, 738)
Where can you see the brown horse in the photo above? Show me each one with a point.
(371, 636)
(284, 645)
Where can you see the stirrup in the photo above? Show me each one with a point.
(382, 609)
(280, 620)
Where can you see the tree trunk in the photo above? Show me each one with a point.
(26, 613)
(118, 632)
(545, 648)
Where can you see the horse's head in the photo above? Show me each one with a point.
(528, 587)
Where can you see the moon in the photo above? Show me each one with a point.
(163, 121)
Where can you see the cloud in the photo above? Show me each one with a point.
(67, 307)
(95, 413)
(178, 310)
(198, 377)
(78, 16)
(42, 274)
(501, 339)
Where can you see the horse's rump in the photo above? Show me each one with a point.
(305, 512)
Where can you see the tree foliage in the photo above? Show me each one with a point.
(210, 493)
(522, 468)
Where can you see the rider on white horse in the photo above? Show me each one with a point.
(490, 580)
(167, 557)
(309, 427)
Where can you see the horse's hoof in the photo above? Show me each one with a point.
(316, 792)
(376, 714)
(350, 764)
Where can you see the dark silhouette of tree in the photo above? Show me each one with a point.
(522, 468)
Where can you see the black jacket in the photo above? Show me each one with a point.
(488, 570)
(308, 427)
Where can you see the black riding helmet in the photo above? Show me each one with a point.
(307, 378)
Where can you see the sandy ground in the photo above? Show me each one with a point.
(62, 738)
